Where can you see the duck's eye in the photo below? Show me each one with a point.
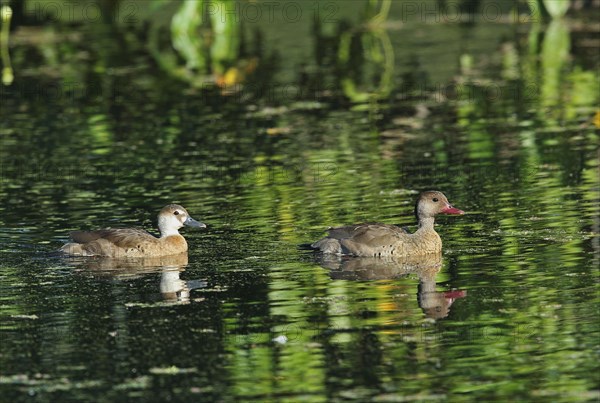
(176, 212)
(435, 199)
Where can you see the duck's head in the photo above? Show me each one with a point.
(173, 217)
(431, 203)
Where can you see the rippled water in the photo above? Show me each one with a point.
(508, 312)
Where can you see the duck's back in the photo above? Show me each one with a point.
(370, 239)
(369, 230)
(123, 242)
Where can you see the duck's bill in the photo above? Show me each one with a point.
(452, 296)
(451, 210)
(190, 222)
(455, 294)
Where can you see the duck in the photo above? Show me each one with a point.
(382, 240)
(134, 242)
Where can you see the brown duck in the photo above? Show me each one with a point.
(377, 240)
(133, 242)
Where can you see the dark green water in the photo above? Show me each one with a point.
(98, 130)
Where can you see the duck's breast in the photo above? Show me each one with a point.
(173, 244)
(421, 243)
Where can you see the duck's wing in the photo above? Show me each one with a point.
(120, 237)
(372, 239)
(365, 231)
(360, 239)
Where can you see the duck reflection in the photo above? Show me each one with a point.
(171, 286)
(435, 304)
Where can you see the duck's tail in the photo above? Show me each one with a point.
(328, 245)
(74, 249)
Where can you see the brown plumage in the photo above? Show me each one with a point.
(376, 240)
(132, 242)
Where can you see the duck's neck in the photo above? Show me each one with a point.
(169, 232)
(426, 224)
